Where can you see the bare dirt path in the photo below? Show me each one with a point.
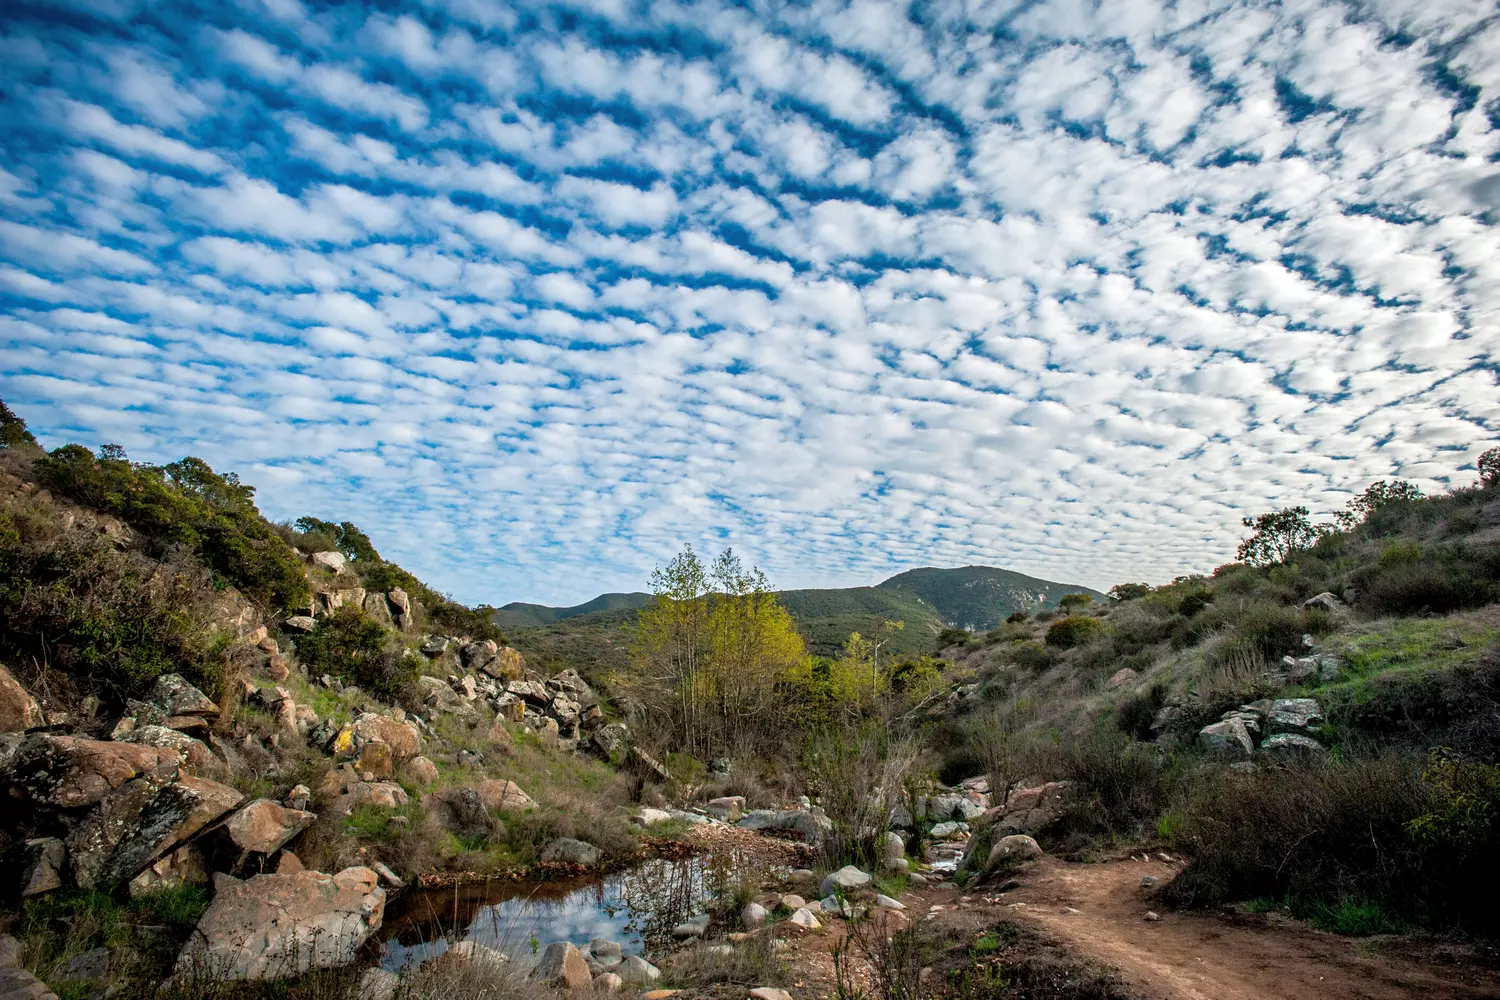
(1098, 911)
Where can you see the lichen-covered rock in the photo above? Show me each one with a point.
(402, 737)
(175, 696)
(1228, 740)
(805, 823)
(566, 850)
(18, 709)
(197, 758)
(141, 821)
(69, 772)
(1290, 748)
(461, 810)
(280, 926)
(497, 794)
(33, 867)
(1294, 715)
(264, 826)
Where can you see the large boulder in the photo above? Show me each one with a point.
(332, 561)
(281, 926)
(197, 758)
(462, 811)
(377, 609)
(1016, 847)
(402, 737)
(497, 794)
(140, 822)
(439, 696)
(810, 826)
(1290, 748)
(18, 709)
(1294, 715)
(566, 850)
(18, 984)
(844, 881)
(562, 964)
(1227, 740)
(1029, 810)
(1326, 601)
(420, 771)
(69, 772)
(264, 826)
(506, 665)
(175, 696)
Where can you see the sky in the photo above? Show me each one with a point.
(535, 293)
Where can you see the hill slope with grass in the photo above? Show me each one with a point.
(979, 598)
(519, 614)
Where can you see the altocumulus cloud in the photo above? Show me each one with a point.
(538, 291)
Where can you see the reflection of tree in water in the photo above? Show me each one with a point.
(661, 894)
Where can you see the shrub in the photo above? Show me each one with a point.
(358, 651)
(1120, 787)
(184, 503)
(1135, 713)
(1074, 630)
(1016, 617)
(1123, 592)
(952, 637)
(1074, 602)
(1409, 581)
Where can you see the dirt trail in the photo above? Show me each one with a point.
(1098, 911)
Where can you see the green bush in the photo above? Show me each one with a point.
(359, 651)
(184, 503)
(1074, 630)
(1120, 787)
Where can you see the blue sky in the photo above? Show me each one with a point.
(535, 293)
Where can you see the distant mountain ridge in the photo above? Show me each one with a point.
(925, 601)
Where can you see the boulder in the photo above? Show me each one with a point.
(753, 916)
(1120, 678)
(435, 646)
(264, 826)
(140, 822)
(1290, 748)
(184, 866)
(281, 926)
(692, 928)
(1029, 810)
(18, 984)
(844, 881)
(380, 794)
(506, 665)
(375, 761)
(462, 811)
(420, 771)
(196, 756)
(804, 823)
(68, 772)
(606, 952)
(949, 830)
(646, 816)
(565, 850)
(1016, 847)
(377, 984)
(18, 709)
(477, 654)
(376, 609)
(570, 681)
(636, 971)
(388, 876)
(792, 901)
(175, 696)
(608, 982)
(438, 695)
(562, 964)
(887, 903)
(402, 737)
(399, 600)
(892, 846)
(1294, 715)
(497, 794)
(611, 740)
(10, 952)
(1326, 601)
(33, 867)
(331, 561)
(1227, 741)
(804, 918)
(300, 623)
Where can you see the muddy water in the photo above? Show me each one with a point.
(637, 907)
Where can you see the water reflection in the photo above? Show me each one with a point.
(637, 907)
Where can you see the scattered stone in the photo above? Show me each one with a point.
(498, 794)
(91, 966)
(887, 903)
(462, 811)
(636, 971)
(175, 696)
(647, 816)
(420, 771)
(264, 826)
(1149, 881)
(806, 824)
(18, 709)
(804, 918)
(381, 794)
(401, 737)
(33, 867)
(792, 901)
(298, 798)
(18, 984)
(894, 846)
(281, 926)
(562, 964)
(1152, 916)
(10, 952)
(845, 881)
(569, 851)
(1294, 715)
(1228, 740)
(436, 645)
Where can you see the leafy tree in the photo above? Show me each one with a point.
(1488, 465)
(13, 432)
(357, 650)
(1074, 602)
(1375, 496)
(1278, 536)
(1074, 630)
(1122, 592)
(346, 537)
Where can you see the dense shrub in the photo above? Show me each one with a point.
(1074, 630)
(1120, 787)
(1408, 580)
(359, 651)
(184, 503)
(105, 620)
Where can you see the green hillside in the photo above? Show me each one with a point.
(595, 635)
(979, 598)
(521, 615)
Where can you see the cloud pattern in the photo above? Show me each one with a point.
(536, 292)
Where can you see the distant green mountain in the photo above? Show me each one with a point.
(979, 598)
(596, 635)
(520, 615)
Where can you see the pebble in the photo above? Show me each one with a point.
(1152, 916)
(1149, 881)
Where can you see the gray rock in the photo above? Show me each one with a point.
(1327, 601)
(436, 645)
(893, 846)
(887, 903)
(18, 984)
(563, 964)
(463, 811)
(33, 867)
(1016, 847)
(695, 927)
(753, 916)
(951, 828)
(140, 822)
(175, 696)
(91, 966)
(299, 623)
(844, 881)
(569, 851)
(636, 971)
(1294, 715)
(606, 952)
(1228, 740)
(332, 561)
(810, 826)
(1290, 748)
(10, 952)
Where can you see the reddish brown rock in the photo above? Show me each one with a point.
(141, 821)
(18, 709)
(401, 737)
(562, 964)
(264, 826)
(69, 772)
(375, 759)
(197, 758)
(278, 668)
(420, 771)
(496, 794)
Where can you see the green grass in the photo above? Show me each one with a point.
(1351, 917)
(1404, 644)
(985, 944)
